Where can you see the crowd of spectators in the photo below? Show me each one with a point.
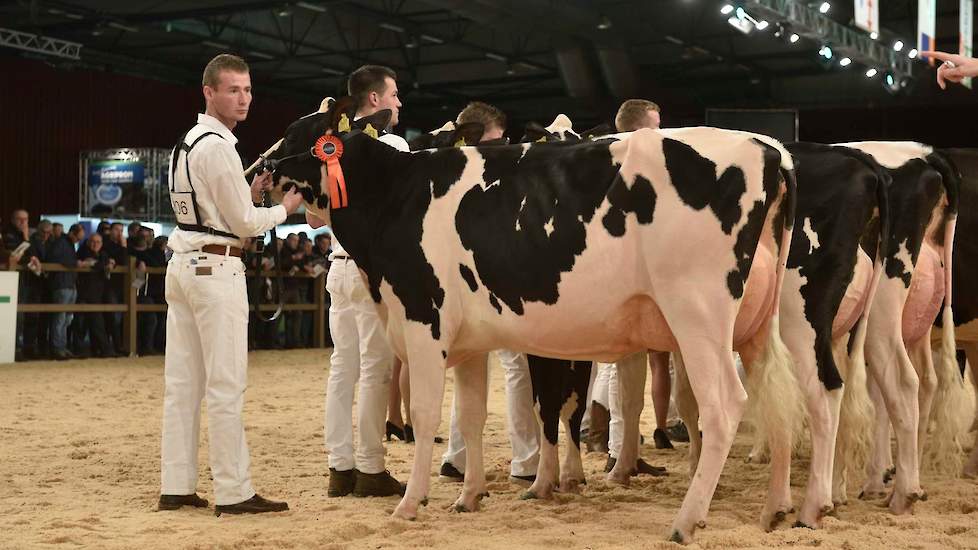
(101, 334)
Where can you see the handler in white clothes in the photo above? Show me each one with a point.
(207, 319)
(361, 353)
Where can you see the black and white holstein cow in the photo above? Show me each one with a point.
(471, 249)
(902, 381)
(965, 288)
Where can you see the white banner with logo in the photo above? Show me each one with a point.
(967, 32)
(8, 315)
(926, 25)
(868, 15)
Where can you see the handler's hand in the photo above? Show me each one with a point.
(292, 200)
(259, 184)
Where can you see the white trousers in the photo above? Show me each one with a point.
(206, 358)
(524, 431)
(361, 359)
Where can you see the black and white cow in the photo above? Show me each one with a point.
(964, 289)
(471, 249)
(449, 135)
(903, 383)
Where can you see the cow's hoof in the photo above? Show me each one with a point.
(872, 494)
(680, 537)
(405, 511)
(701, 524)
(619, 478)
(802, 525)
(571, 485)
(529, 495)
(901, 505)
(888, 475)
(771, 520)
(970, 471)
(837, 503)
(424, 501)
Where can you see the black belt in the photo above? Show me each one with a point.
(340, 258)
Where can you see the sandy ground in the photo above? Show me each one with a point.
(79, 467)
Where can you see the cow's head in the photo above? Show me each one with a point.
(449, 135)
(299, 159)
(560, 129)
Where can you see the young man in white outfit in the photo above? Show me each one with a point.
(524, 431)
(361, 354)
(207, 320)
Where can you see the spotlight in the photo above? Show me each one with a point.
(874, 35)
(284, 11)
(898, 45)
(825, 52)
(793, 38)
(604, 24)
(726, 9)
(912, 54)
(845, 62)
(871, 72)
(761, 25)
(824, 8)
(891, 84)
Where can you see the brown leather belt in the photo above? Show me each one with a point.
(221, 249)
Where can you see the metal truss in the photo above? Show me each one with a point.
(808, 22)
(40, 44)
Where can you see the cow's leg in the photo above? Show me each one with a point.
(688, 411)
(427, 374)
(971, 350)
(548, 377)
(879, 468)
(890, 366)
(471, 389)
(631, 393)
(572, 414)
(922, 358)
(722, 399)
(854, 436)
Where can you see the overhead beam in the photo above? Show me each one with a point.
(40, 44)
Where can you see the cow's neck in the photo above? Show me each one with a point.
(375, 176)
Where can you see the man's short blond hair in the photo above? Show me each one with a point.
(631, 115)
(483, 113)
(222, 62)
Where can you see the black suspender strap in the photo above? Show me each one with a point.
(182, 146)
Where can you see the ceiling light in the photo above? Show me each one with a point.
(912, 54)
(391, 27)
(726, 9)
(430, 38)
(871, 72)
(604, 23)
(311, 6)
(793, 38)
(844, 62)
(761, 25)
(898, 45)
(824, 8)
(874, 35)
(495, 57)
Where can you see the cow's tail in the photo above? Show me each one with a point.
(776, 405)
(855, 434)
(954, 405)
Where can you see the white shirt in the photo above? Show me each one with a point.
(223, 194)
(394, 141)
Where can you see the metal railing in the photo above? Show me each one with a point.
(131, 308)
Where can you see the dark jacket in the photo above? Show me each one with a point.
(61, 251)
(92, 285)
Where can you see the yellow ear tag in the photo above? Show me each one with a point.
(542, 140)
(460, 143)
(344, 125)
(370, 131)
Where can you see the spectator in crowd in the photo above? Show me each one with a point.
(147, 322)
(18, 230)
(156, 288)
(132, 231)
(307, 291)
(261, 334)
(114, 244)
(91, 290)
(57, 230)
(61, 284)
(292, 259)
(320, 257)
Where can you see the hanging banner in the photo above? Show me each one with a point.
(926, 25)
(967, 33)
(868, 15)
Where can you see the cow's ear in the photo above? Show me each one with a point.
(341, 114)
(374, 124)
(420, 143)
(326, 103)
(534, 132)
(469, 133)
(602, 129)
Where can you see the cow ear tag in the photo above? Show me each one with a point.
(329, 149)
(460, 143)
(370, 131)
(542, 139)
(344, 124)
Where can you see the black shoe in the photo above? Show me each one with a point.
(643, 467)
(174, 502)
(63, 355)
(524, 481)
(678, 432)
(597, 437)
(378, 485)
(393, 430)
(254, 505)
(661, 439)
(450, 473)
(341, 482)
(409, 433)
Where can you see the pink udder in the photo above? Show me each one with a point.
(926, 295)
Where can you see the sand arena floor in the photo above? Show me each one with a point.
(79, 468)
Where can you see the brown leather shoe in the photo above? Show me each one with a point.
(174, 502)
(341, 482)
(254, 505)
(377, 485)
